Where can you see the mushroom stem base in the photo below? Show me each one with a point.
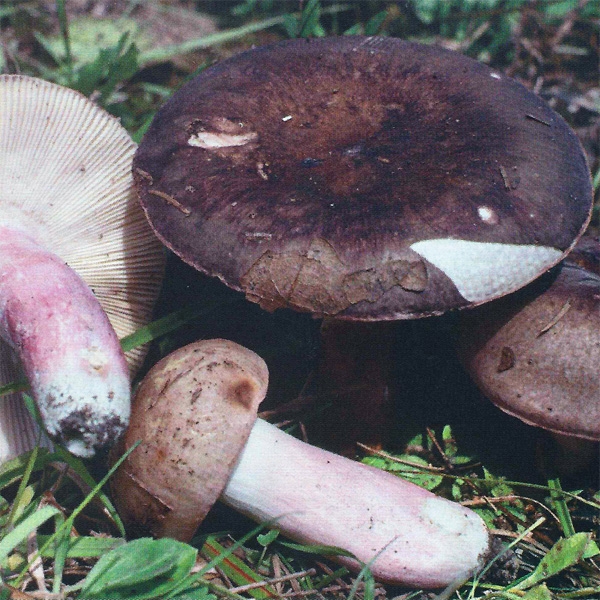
(68, 349)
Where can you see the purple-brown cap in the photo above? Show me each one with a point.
(363, 178)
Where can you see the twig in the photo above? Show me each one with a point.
(277, 572)
(265, 582)
(171, 201)
(434, 441)
(538, 120)
(491, 501)
(567, 25)
(561, 313)
(536, 546)
(396, 459)
(36, 568)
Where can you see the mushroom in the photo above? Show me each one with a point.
(73, 244)
(195, 414)
(535, 355)
(362, 180)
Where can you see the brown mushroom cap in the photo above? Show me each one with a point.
(363, 178)
(193, 412)
(536, 353)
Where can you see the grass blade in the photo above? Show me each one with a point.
(559, 503)
(22, 485)
(61, 547)
(564, 554)
(162, 326)
(83, 546)
(167, 52)
(19, 534)
(64, 31)
(235, 569)
(68, 524)
(13, 469)
(13, 388)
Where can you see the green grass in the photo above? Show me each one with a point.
(57, 522)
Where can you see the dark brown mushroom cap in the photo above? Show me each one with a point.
(536, 353)
(366, 178)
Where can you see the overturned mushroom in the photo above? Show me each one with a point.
(195, 414)
(73, 245)
(362, 179)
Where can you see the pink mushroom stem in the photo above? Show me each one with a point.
(407, 534)
(69, 351)
(195, 413)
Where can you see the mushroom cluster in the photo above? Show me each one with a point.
(78, 265)
(363, 181)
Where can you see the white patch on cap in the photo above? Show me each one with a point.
(482, 271)
(495, 75)
(211, 141)
(487, 215)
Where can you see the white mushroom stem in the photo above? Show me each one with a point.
(408, 535)
(68, 349)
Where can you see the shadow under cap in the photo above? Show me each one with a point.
(350, 176)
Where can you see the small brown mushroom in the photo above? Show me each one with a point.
(195, 414)
(535, 353)
(362, 179)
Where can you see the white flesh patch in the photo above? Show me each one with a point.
(72, 391)
(212, 141)
(487, 215)
(445, 516)
(482, 271)
(470, 533)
